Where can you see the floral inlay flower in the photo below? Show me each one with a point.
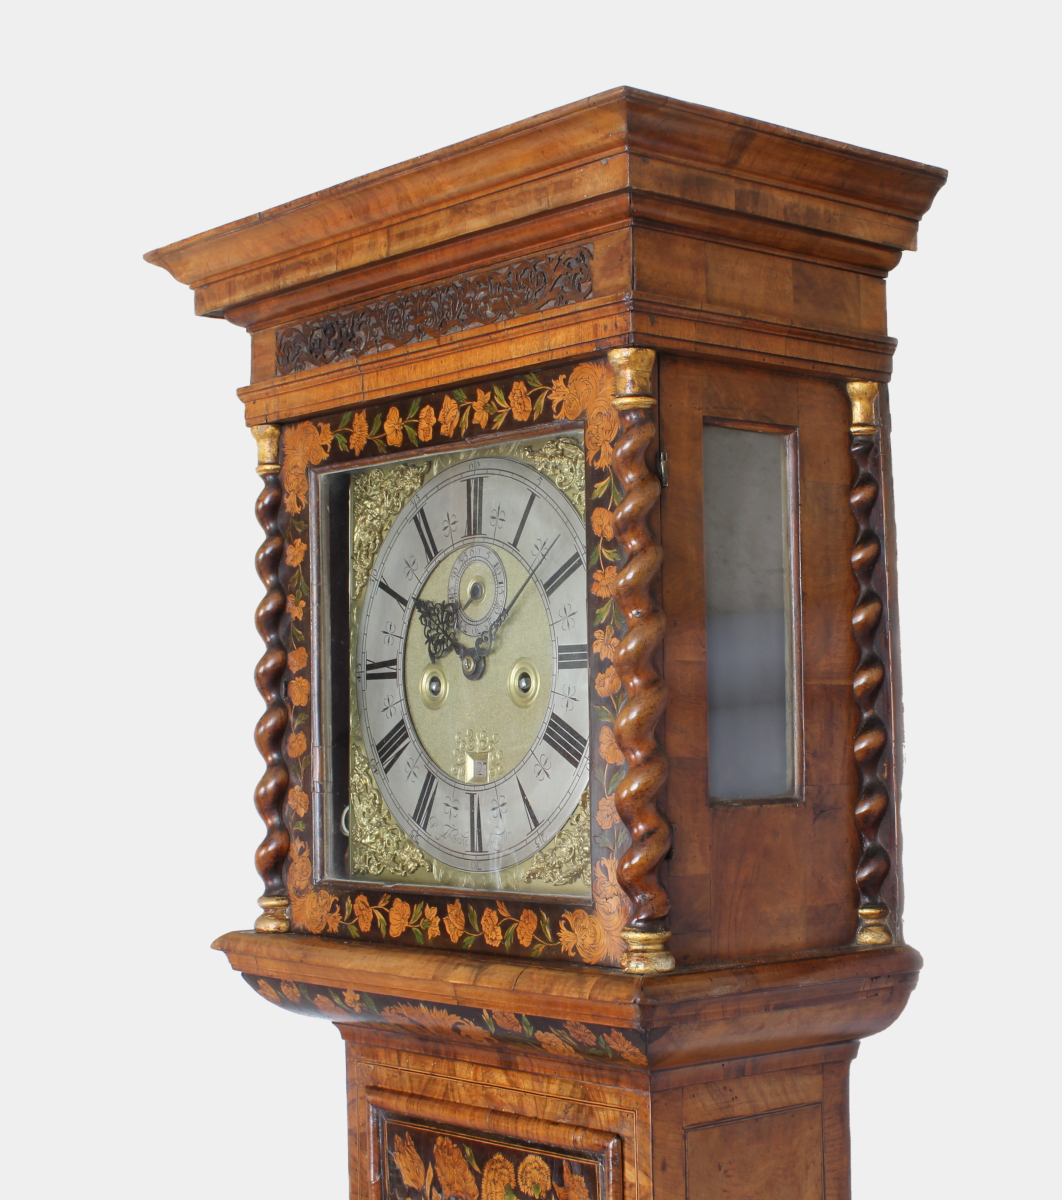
(408, 1162)
(454, 1174)
(295, 552)
(353, 1001)
(435, 1021)
(291, 990)
(426, 423)
(492, 930)
(328, 1007)
(299, 690)
(299, 801)
(431, 915)
(300, 871)
(268, 990)
(587, 392)
(498, 1177)
(305, 444)
(362, 914)
(526, 926)
(534, 1176)
(506, 1020)
(625, 1049)
(574, 1185)
(613, 907)
(554, 1044)
(359, 432)
(297, 745)
(607, 816)
(315, 912)
(583, 935)
(520, 400)
(393, 427)
(601, 522)
(604, 584)
(295, 607)
(609, 748)
(298, 658)
(480, 416)
(580, 1033)
(400, 912)
(454, 920)
(449, 415)
(608, 682)
(606, 644)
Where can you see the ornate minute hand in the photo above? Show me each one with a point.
(509, 607)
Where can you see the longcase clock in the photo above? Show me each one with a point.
(581, 735)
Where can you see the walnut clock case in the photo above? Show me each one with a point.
(582, 716)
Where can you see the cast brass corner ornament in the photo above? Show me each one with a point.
(268, 439)
(274, 918)
(866, 414)
(647, 952)
(632, 370)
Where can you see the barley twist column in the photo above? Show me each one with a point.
(646, 934)
(872, 803)
(269, 732)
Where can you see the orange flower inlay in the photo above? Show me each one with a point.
(492, 930)
(426, 423)
(601, 522)
(359, 432)
(454, 920)
(393, 427)
(610, 751)
(449, 415)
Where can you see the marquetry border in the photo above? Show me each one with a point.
(524, 1032)
(534, 403)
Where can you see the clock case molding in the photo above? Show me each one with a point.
(748, 262)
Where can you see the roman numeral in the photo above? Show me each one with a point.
(390, 747)
(523, 520)
(573, 658)
(422, 813)
(387, 668)
(532, 820)
(474, 506)
(475, 827)
(562, 573)
(427, 541)
(565, 740)
(393, 594)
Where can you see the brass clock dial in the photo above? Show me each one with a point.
(470, 664)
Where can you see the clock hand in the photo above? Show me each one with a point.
(508, 608)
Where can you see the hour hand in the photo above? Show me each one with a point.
(439, 619)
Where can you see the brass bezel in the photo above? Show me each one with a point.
(521, 699)
(433, 670)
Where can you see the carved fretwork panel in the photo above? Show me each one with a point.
(513, 289)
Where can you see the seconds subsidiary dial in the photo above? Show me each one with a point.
(471, 665)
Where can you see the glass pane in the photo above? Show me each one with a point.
(749, 618)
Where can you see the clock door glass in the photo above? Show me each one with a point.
(749, 592)
(468, 703)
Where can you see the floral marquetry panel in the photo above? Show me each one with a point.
(381, 887)
(429, 1162)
